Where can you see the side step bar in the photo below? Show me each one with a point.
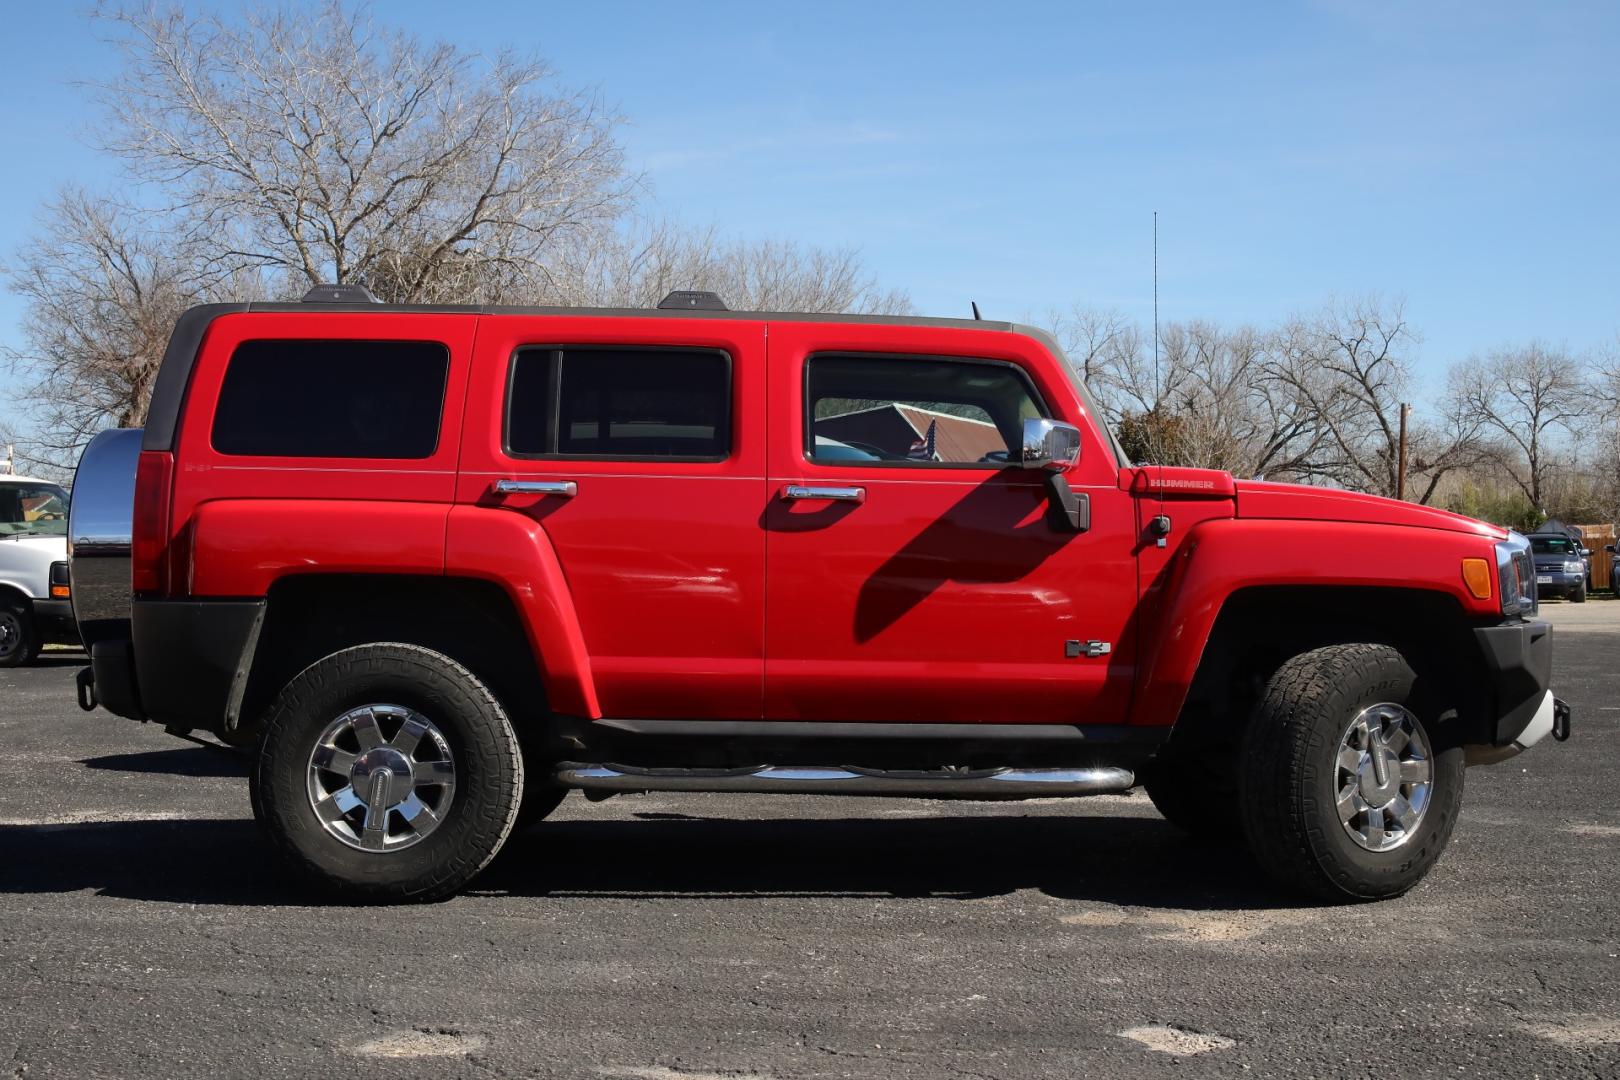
(830, 780)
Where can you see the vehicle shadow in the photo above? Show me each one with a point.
(1122, 861)
(180, 761)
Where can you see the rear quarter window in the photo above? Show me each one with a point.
(332, 399)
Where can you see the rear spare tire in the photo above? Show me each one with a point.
(1350, 783)
(388, 772)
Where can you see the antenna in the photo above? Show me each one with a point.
(976, 316)
(1156, 390)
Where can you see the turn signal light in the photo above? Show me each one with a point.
(1477, 576)
(60, 592)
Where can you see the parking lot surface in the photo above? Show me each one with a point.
(146, 930)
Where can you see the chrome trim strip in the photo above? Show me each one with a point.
(832, 780)
(824, 491)
(565, 488)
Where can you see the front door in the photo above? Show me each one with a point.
(912, 573)
(639, 447)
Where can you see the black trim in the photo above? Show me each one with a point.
(112, 674)
(174, 375)
(556, 403)
(189, 655)
(1518, 658)
(709, 744)
(789, 729)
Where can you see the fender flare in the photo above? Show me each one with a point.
(514, 551)
(1224, 556)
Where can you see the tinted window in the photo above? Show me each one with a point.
(620, 403)
(337, 399)
(916, 412)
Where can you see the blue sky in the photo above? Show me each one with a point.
(1462, 155)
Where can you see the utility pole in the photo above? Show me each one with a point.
(1400, 477)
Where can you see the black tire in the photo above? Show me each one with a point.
(19, 637)
(1288, 775)
(1183, 790)
(1578, 596)
(483, 805)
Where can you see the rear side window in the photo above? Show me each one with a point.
(620, 403)
(332, 399)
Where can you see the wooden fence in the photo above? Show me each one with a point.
(1598, 537)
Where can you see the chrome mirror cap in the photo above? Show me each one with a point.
(1049, 444)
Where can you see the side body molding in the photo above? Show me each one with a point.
(1223, 556)
(514, 551)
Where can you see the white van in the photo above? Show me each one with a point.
(36, 607)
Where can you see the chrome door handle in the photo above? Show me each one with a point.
(818, 491)
(566, 488)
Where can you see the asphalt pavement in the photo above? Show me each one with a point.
(146, 930)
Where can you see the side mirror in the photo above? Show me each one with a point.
(1586, 553)
(1609, 548)
(1049, 444)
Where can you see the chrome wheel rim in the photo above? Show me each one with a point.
(10, 633)
(1385, 776)
(381, 778)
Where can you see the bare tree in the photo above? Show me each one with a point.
(1525, 397)
(641, 263)
(102, 291)
(309, 141)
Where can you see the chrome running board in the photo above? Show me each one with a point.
(830, 780)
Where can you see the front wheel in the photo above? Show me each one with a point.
(388, 772)
(1350, 788)
(19, 638)
(1579, 595)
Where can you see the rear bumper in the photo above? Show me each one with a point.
(1518, 661)
(54, 620)
(186, 665)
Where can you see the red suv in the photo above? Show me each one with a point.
(441, 565)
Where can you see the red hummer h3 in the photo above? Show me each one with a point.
(441, 565)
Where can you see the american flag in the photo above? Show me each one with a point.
(923, 448)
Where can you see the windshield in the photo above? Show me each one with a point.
(30, 509)
(1552, 545)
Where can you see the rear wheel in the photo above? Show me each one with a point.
(19, 638)
(1350, 787)
(388, 772)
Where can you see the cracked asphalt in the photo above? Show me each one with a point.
(145, 930)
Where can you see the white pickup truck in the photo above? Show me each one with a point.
(36, 607)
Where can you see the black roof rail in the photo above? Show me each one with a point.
(339, 294)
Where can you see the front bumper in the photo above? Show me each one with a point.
(54, 620)
(1558, 583)
(1518, 662)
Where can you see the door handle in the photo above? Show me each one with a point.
(819, 491)
(566, 488)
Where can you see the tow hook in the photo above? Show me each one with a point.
(87, 689)
(1561, 714)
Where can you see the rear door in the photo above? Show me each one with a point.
(913, 575)
(638, 445)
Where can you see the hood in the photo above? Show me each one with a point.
(1262, 499)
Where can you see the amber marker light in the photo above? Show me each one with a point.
(60, 592)
(1477, 576)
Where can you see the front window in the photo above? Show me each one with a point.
(1553, 545)
(30, 509)
(915, 412)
